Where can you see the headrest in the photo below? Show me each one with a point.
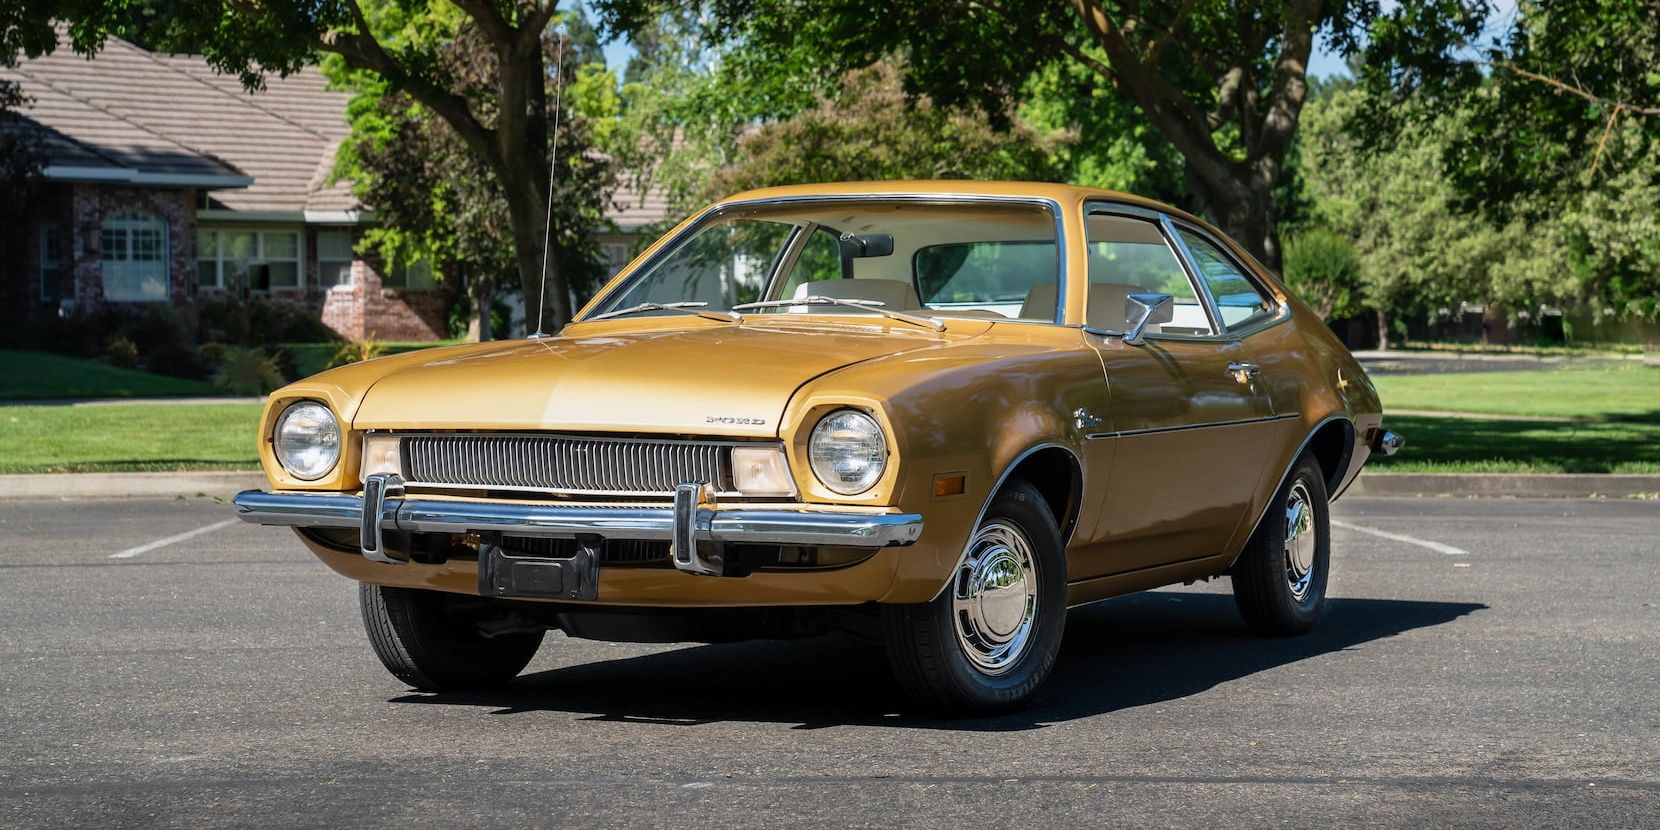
(893, 294)
(1107, 301)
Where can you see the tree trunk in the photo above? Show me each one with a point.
(482, 293)
(1383, 330)
(1244, 209)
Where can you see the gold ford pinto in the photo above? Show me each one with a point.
(937, 413)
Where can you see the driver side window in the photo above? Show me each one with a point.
(1129, 255)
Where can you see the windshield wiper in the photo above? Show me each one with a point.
(934, 323)
(682, 307)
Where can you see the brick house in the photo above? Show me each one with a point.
(165, 182)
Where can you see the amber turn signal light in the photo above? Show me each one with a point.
(950, 484)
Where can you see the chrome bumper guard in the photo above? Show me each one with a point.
(1388, 443)
(683, 525)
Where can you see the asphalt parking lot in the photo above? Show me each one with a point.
(1507, 674)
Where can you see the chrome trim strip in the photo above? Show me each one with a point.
(376, 488)
(1191, 265)
(865, 529)
(697, 224)
(1126, 433)
(1289, 465)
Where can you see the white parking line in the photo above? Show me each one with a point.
(177, 537)
(1401, 537)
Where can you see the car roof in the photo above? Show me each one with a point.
(1063, 193)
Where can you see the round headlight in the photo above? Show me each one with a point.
(847, 451)
(307, 440)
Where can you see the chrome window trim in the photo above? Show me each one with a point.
(1171, 241)
(1282, 311)
(602, 304)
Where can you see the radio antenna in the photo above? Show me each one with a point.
(553, 163)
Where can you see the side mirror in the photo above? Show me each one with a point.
(1146, 309)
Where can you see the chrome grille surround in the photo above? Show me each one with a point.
(572, 465)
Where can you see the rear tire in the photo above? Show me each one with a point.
(1279, 581)
(989, 640)
(432, 641)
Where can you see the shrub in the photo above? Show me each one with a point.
(178, 360)
(247, 370)
(356, 351)
(123, 353)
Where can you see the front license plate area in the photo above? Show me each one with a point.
(536, 577)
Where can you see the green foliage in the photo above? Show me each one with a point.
(437, 199)
(122, 353)
(247, 370)
(870, 131)
(356, 351)
(1322, 268)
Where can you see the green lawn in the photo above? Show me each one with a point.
(1609, 421)
(1627, 392)
(36, 375)
(1474, 445)
(128, 438)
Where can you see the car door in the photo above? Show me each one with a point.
(1190, 421)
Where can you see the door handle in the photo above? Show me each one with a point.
(1243, 372)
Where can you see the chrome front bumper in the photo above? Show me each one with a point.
(682, 525)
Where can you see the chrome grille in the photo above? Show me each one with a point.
(563, 464)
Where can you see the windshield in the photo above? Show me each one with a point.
(996, 260)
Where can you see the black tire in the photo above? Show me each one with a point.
(932, 661)
(1275, 596)
(430, 640)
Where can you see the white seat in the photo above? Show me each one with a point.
(892, 294)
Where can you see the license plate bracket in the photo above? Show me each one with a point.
(574, 577)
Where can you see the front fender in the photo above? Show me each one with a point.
(971, 409)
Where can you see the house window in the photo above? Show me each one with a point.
(51, 266)
(134, 257)
(334, 258)
(261, 260)
(410, 276)
(616, 256)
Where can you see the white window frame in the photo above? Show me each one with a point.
(48, 256)
(322, 261)
(126, 223)
(219, 259)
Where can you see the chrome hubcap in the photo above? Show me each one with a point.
(1299, 541)
(994, 598)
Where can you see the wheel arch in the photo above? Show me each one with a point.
(1055, 464)
(1332, 442)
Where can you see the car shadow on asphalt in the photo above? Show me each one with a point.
(1134, 651)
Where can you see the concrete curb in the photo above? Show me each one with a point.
(227, 484)
(1513, 485)
(126, 485)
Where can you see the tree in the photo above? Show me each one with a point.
(398, 41)
(1224, 83)
(869, 131)
(438, 202)
(1322, 268)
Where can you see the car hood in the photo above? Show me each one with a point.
(719, 380)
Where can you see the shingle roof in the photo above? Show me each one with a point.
(173, 113)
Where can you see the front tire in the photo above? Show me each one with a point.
(1279, 581)
(989, 640)
(432, 640)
